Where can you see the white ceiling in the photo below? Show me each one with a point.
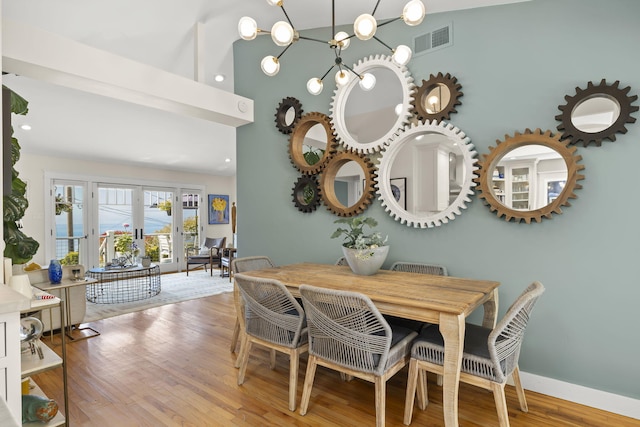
(159, 33)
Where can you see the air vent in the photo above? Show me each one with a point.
(436, 39)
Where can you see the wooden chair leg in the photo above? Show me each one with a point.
(308, 384)
(381, 394)
(272, 359)
(519, 390)
(411, 391)
(234, 337)
(501, 404)
(293, 378)
(244, 359)
(423, 396)
(243, 343)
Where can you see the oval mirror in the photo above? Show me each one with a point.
(437, 97)
(306, 193)
(312, 143)
(347, 184)
(288, 113)
(596, 113)
(529, 176)
(366, 121)
(426, 176)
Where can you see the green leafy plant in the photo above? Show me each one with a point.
(18, 246)
(165, 206)
(354, 236)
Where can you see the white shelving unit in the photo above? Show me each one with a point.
(32, 364)
(513, 185)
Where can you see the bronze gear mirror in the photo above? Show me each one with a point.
(535, 185)
(306, 193)
(437, 97)
(596, 113)
(288, 113)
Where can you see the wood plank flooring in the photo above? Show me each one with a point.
(171, 366)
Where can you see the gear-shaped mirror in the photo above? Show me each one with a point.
(312, 143)
(530, 175)
(288, 113)
(437, 97)
(596, 113)
(306, 193)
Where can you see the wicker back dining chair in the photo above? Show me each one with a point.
(240, 265)
(342, 261)
(416, 267)
(273, 319)
(348, 334)
(490, 356)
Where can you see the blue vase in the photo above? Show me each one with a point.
(55, 272)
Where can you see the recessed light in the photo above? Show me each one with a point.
(227, 160)
(219, 77)
(25, 127)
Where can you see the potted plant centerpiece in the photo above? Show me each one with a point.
(365, 253)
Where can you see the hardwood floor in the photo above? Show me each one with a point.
(171, 366)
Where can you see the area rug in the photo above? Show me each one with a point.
(174, 287)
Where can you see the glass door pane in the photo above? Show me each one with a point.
(190, 223)
(115, 223)
(159, 215)
(70, 222)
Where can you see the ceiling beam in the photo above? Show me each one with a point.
(31, 52)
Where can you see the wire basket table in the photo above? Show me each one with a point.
(117, 285)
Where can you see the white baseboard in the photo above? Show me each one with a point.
(583, 395)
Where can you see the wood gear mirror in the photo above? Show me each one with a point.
(437, 98)
(596, 113)
(529, 176)
(426, 176)
(312, 143)
(347, 184)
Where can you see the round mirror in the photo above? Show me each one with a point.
(596, 113)
(366, 121)
(288, 113)
(529, 176)
(426, 176)
(437, 97)
(347, 184)
(306, 194)
(312, 143)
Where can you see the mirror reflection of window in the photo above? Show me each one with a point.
(348, 183)
(369, 115)
(595, 114)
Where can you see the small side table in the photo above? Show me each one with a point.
(228, 255)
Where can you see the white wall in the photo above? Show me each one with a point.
(32, 167)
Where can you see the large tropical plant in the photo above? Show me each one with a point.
(18, 246)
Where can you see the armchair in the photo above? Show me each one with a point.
(210, 252)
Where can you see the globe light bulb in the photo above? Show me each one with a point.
(314, 86)
(282, 33)
(270, 65)
(365, 26)
(401, 55)
(274, 2)
(343, 40)
(342, 77)
(247, 28)
(413, 12)
(367, 82)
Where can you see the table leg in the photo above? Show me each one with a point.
(452, 330)
(491, 311)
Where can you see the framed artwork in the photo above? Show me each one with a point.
(399, 191)
(218, 209)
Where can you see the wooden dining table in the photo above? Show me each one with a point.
(442, 300)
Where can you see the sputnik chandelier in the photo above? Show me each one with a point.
(285, 35)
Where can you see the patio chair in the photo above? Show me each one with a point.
(489, 357)
(348, 334)
(416, 267)
(273, 319)
(210, 252)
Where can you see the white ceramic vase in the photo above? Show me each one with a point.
(365, 265)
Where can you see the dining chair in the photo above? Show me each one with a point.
(240, 265)
(489, 357)
(273, 319)
(416, 267)
(348, 334)
(342, 261)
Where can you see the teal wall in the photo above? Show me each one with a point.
(515, 64)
